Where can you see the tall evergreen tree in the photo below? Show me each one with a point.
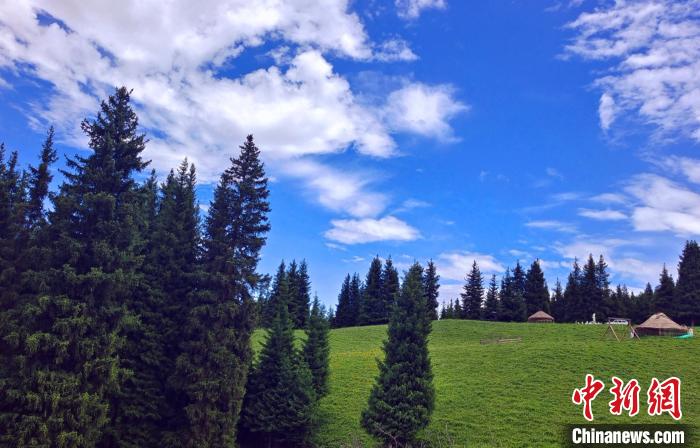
(473, 294)
(536, 292)
(280, 398)
(374, 310)
(23, 275)
(431, 284)
(302, 297)
(317, 350)
(403, 397)
(608, 306)
(72, 355)
(557, 303)
(665, 294)
(644, 304)
(590, 299)
(511, 296)
(344, 316)
(216, 352)
(573, 310)
(279, 294)
(390, 285)
(356, 300)
(688, 285)
(492, 306)
(171, 271)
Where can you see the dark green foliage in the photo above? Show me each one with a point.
(317, 350)
(390, 285)
(344, 316)
(301, 297)
(212, 368)
(374, 309)
(431, 284)
(356, 295)
(72, 327)
(573, 310)
(473, 294)
(280, 398)
(39, 182)
(688, 285)
(511, 296)
(590, 299)
(558, 305)
(402, 400)
(278, 294)
(665, 294)
(492, 306)
(536, 292)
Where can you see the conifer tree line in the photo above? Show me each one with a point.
(291, 286)
(587, 291)
(370, 301)
(126, 318)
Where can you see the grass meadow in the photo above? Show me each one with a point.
(505, 395)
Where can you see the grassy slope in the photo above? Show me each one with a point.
(507, 395)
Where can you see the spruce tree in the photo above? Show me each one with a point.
(557, 304)
(390, 285)
(171, 271)
(280, 398)
(665, 294)
(644, 304)
(278, 294)
(573, 309)
(343, 315)
(317, 350)
(511, 295)
(536, 292)
(431, 284)
(688, 285)
(473, 294)
(492, 305)
(590, 299)
(302, 297)
(72, 347)
(402, 399)
(216, 352)
(356, 300)
(608, 307)
(374, 310)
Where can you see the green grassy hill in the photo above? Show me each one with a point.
(506, 395)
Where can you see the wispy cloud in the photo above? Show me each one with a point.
(360, 231)
(654, 51)
(412, 9)
(455, 265)
(602, 215)
(558, 226)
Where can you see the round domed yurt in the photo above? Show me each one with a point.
(540, 317)
(660, 324)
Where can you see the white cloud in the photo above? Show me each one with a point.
(602, 215)
(178, 57)
(610, 198)
(558, 226)
(690, 168)
(395, 50)
(654, 49)
(411, 9)
(341, 191)
(553, 172)
(456, 265)
(664, 205)
(606, 111)
(423, 110)
(359, 231)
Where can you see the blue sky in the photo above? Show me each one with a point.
(417, 129)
